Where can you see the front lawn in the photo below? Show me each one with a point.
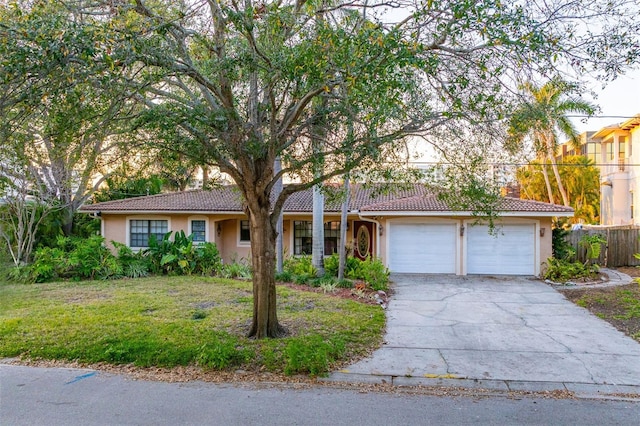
(177, 321)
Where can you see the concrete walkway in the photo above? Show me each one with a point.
(506, 333)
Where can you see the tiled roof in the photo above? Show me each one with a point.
(224, 199)
(415, 198)
(431, 203)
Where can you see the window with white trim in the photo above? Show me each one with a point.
(331, 237)
(245, 231)
(609, 147)
(199, 231)
(141, 230)
(303, 237)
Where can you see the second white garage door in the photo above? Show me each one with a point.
(427, 248)
(510, 252)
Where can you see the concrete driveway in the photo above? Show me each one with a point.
(509, 333)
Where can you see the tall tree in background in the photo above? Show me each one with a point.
(545, 112)
(582, 184)
(239, 80)
(60, 109)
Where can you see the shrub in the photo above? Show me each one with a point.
(75, 258)
(327, 283)
(300, 266)
(374, 273)
(181, 256)
(157, 251)
(593, 244)
(561, 249)
(331, 265)
(345, 283)
(560, 270)
(49, 264)
(351, 267)
(208, 259)
(133, 264)
(284, 276)
(89, 258)
(19, 273)
(302, 279)
(236, 269)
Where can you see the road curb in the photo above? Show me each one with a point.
(579, 390)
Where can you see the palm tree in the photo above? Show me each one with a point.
(581, 181)
(540, 118)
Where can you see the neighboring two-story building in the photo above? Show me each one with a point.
(612, 150)
(619, 175)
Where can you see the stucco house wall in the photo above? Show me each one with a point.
(395, 215)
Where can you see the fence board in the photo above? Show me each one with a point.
(621, 246)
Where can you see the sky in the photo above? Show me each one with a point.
(618, 101)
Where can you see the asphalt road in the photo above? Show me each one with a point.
(39, 396)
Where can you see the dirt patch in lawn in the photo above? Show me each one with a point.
(619, 305)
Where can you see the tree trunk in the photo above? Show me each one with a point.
(205, 176)
(556, 173)
(318, 139)
(263, 238)
(279, 225)
(543, 164)
(343, 229)
(317, 242)
(67, 220)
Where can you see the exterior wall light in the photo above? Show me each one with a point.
(219, 230)
(462, 230)
(542, 232)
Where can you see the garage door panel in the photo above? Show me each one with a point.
(422, 248)
(510, 252)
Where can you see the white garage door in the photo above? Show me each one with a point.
(422, 248)
(510, 252)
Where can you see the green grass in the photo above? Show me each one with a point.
(172, 321)
(631, 305)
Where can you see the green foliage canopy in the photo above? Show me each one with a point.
(582, 182)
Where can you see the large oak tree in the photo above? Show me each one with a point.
(60, 108)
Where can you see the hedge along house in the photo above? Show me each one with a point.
(410, 230)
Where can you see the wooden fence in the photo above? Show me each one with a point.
(621, 245)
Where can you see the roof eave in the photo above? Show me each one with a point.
(464, 213)
(631, 123)
(220, 212)
(605, 131)
(192, 212)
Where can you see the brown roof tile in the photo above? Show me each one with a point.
(224, 199)
(415, 198)
(431, 203)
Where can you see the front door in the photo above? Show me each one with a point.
(363, 239)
